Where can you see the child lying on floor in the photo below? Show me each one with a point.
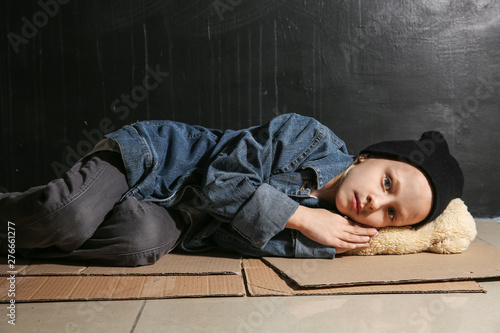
(286, 188)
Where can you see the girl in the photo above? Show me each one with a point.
(287, 188)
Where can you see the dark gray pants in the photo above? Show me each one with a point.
(80, 217)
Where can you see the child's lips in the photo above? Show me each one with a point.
(356, 204)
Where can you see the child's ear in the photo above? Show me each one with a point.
(361, 158)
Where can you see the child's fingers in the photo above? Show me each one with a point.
(357, 236)
(359, 229)
(339, 250)
(353, 238)
(344, 246)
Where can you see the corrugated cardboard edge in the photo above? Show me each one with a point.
(480, 261)
(93, 288)
(262, 280)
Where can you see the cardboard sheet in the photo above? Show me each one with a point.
(78, 288)
(262, 280)
(212, 274)
(478, 262)
(173, 276)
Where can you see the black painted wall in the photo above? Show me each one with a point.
(72, 70)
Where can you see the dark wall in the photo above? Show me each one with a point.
(371, 70)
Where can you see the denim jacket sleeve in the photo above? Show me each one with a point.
(235, 187)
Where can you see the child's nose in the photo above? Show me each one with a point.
(375, 202)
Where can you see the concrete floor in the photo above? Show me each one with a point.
(362, 313)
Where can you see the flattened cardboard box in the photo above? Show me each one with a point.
(262, 280)
(479, 261)
(189, 275)
(173, 276)
(78, 288)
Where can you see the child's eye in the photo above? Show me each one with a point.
(391, 213)
(387, 183)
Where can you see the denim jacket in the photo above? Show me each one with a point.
(236, 188)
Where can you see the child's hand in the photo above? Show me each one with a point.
(329, 228)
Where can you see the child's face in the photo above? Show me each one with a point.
(379, 193)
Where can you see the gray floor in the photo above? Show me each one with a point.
(362, 313)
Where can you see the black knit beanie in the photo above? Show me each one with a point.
(431, 155)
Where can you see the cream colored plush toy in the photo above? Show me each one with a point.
(450, 232)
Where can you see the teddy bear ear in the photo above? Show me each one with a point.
(455, 229)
